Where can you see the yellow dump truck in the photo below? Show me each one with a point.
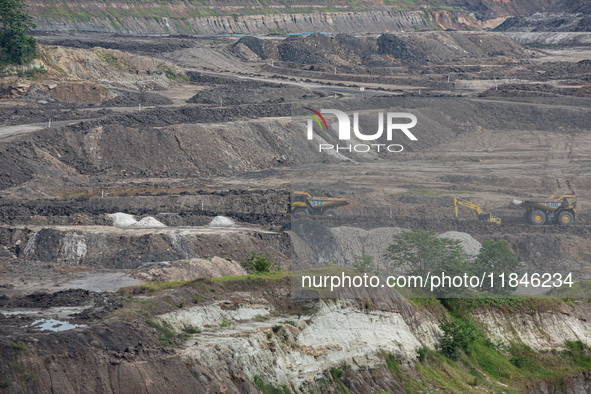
(302, 203)
(556, 209)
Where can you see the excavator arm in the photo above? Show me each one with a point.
(467, 204)
(480, 214)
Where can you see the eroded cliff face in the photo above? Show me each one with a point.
(241, 333)
(378, 21)
(216, 17)
(303, 348)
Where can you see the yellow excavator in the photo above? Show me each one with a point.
(302, 203)
(480, 214)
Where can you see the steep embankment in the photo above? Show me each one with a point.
(245, 16)
(565, 16)
(239, 335)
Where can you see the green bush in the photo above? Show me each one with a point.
(364, 264)
(421, 252)
(267, 388)
(258, 263)
(496, 257)
(18, 346)
(337, 374)
(34, 73)
(519, 361)
(422, 354)
(16, 46)
(457, 335)
(168, 333)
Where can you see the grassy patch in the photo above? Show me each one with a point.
(24, 372)
(443, 7)
(170, 74)
(275, 276)
(168, 334)
(267, 388)
(111, 60)
(153, 287)
(18, 346)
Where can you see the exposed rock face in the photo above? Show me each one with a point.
(565, 16)
(551, 38)
(242, 336)
(342, 22)
(110, 247)
(110, 358)
(298, 353)
(544, 330)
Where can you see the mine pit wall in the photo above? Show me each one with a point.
(236, 204)
(339, 332)
(125, 249)
(337, 22)
(95, 358)
(552, 38)
(343, 332)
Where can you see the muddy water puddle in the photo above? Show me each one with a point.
(54, 325)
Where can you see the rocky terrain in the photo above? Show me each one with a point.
(275, 17)
(138, 173)
(564, 16)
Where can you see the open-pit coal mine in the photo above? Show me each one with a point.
(175, 181)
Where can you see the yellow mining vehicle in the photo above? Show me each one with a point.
(556, 209)
(480, 214)
(302, 203)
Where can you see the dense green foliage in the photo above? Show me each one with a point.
(496, 257)
(16, 46)
(457, 335)
(258, 263)
(364, 264)
(421, 253)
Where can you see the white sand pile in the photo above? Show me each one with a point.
(222, 221)
(125, 220)
(147, 222)
(470, 245)
(121, 219)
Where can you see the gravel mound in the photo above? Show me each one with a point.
(264, 49)
(346, 49)
(133, 99)
(147, 222)
(122, 219)
(390, 45)
(222, 221)
(470, 245)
